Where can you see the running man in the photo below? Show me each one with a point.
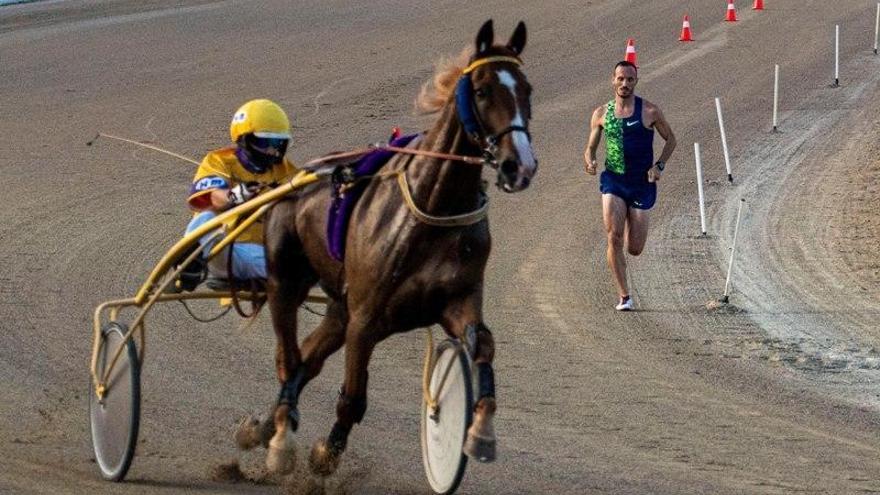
(629, 182)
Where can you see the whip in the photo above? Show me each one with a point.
(142, 145)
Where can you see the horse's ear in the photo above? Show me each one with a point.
(518, 39)
(485, 37)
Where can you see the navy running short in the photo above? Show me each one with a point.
(639, 195)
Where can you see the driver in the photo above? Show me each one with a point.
(228, 177)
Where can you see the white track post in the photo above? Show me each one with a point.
(726, 297)
(836, 55)
(700, 187)
(723, 139)
(876, 28)
(775, 98)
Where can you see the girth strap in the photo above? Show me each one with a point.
(448, 221)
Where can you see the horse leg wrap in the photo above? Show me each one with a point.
(289, 396)
(479, 339)
(482, 345)
(351, 408)
(485, 381)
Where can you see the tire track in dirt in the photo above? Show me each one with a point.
(789, 276)
(804, 315)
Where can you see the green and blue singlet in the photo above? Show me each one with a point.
(629, 154)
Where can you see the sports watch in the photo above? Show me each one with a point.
(660, 165)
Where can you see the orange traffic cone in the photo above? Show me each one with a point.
(759, 5)
(731, 12)
(686, 30)
(631, 51)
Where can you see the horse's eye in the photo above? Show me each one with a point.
(481, 92)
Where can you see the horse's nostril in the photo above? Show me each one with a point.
(509, 167)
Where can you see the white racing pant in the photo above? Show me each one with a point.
(248, 259)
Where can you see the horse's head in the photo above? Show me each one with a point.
(494, 107)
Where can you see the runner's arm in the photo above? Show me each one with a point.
(662, 127)
(593, 142)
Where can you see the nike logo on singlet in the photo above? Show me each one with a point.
(630, 124)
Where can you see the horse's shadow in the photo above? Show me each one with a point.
(352, 481)
(182, 486)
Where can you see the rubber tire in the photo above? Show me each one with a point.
(464, 368)
(121, 440)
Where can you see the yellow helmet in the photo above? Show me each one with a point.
(262, 118)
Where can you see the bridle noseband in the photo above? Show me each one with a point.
(467, 109)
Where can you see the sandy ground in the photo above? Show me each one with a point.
(778, 398)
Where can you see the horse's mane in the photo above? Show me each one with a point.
(436, 92)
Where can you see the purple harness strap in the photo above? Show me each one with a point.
(344, 201)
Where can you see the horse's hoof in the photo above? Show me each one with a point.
(247, 436)
(267, 431)
(281, 455)
(324, 459)
(479, 448)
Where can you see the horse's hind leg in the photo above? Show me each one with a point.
(289, 281)
(326, 339)
(352, 404)
(464, 320)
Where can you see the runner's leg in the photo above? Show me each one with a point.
(614, 213)
(636, 231)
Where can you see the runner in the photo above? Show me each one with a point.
(628, 183)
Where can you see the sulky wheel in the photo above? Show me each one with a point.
(114, 418)
(444, 429)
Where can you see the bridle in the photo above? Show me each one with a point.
(470, 117)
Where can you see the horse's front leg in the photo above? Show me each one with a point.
(352, 404)
(464, 319)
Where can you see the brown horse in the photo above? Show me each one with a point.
(399, 272)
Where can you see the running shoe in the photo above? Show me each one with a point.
(625, 304)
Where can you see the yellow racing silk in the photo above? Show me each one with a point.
(221, 169)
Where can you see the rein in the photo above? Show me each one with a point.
(470, 120)
(314, 165)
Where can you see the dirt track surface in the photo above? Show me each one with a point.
(671, 399)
